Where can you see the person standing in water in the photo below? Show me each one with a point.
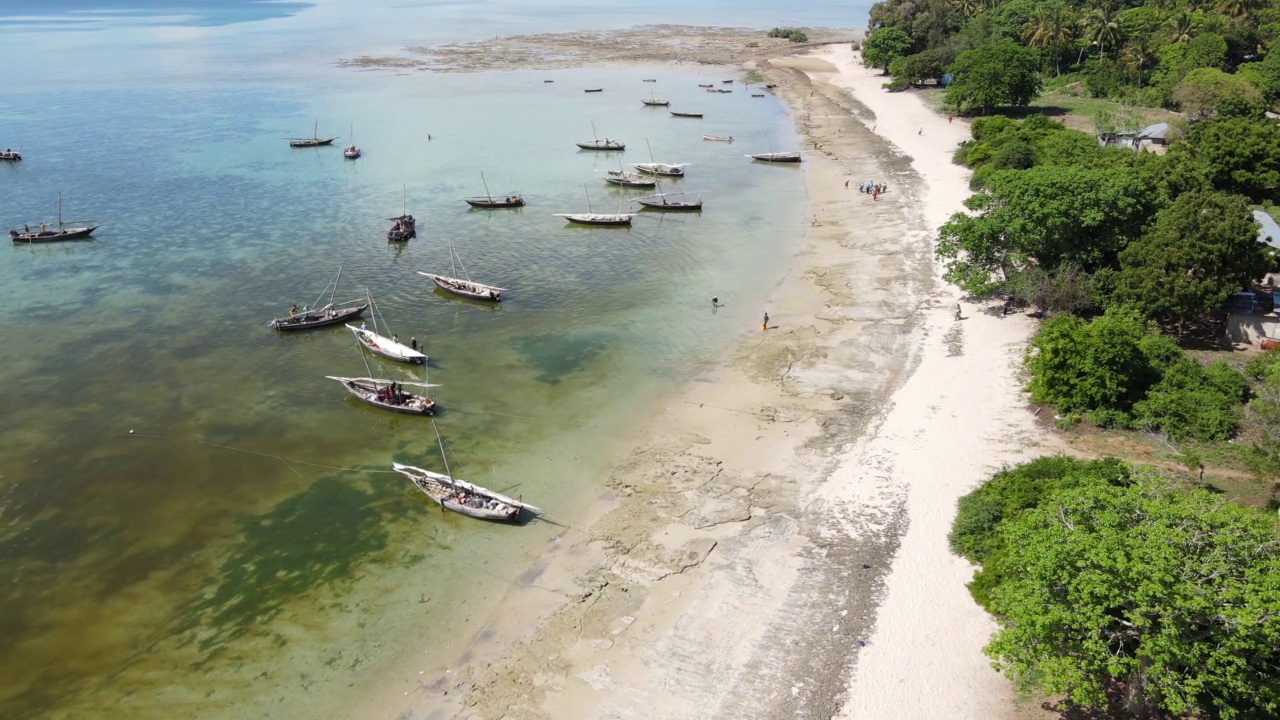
(765, 324)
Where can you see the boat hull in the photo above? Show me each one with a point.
(776, 157)
(51, 235)
(313, 319)
(316, 142)
(389, 349)
(487, 204)
(407, 403)
(463, 288)
(463, 497)
(602, 147)
(606, 220)
(671, 207)
(686, 115)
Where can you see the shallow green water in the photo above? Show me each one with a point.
(220, 560)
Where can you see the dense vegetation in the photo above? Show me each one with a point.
(793, 34)
(1115, 587)
(1194, 55)
(1126, 592)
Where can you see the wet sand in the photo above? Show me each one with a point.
(775, 544)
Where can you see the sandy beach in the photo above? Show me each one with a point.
(775, 544)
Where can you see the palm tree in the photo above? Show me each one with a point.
(1050, 29)
(1102, 25)
(1138, 56)
(969, 8)
(1236, 8)
(1180, 28)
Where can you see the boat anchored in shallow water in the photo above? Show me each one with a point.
(46, 234)
(460, 496)
(388, 347)
(465, 287)
(389, 394)
(776, 157)
(314, 141)
(330, 314)
(403, 228)
(489, 202)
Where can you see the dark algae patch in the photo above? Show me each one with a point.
(556, 356)
(267, 565)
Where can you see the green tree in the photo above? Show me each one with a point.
(915, 69)
(885, 45)
(1239, 155)
(1172, 597)
(1044, 216)
(1207, 90)
(1051, 29)
(991, 76)
(1264, 75)
(1101, 23)
(1138, 56)
(1200, 250)
(1079, 366)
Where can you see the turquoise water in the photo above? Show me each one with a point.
(244, 548)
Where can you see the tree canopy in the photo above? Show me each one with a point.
(1200, 250)
(1000, 75)
(1046, 215)
(1238, 154)
(883, 46)
(1174, 595)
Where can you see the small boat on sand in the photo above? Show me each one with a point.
(776, 157)
(594, 90)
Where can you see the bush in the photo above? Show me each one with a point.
(792, 34)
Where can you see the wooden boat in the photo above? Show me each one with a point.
(664, 169)
(777, 157)
(46, 234)
(10, 155)
(465, 286)
(314, 141)
(598, 218)
(389, 395)
(594, 90)
(320, 317)
(723, 91)
(351, 152)
(656, 103)
(686, 114)
(548, 81)
(598, 144)
(388, 347)
(330, 314)
(757, 95)
(727, 82)
(707, 85)
(718, 138)
(405, 227)
(489, 202)
(460, 496)
(650, 80)
(594, 218)
(626, 179)
(664, 202)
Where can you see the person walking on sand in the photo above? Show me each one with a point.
(715, 303)
(765, 325)
(846, 184)
(957, 311)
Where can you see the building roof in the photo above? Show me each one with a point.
(1159, 131)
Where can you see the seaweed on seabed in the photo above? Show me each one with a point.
(312, 540)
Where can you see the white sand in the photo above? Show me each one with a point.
(792, 504)
(955, 421)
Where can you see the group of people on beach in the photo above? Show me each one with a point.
(874, 189)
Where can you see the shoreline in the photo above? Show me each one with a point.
(784, 515)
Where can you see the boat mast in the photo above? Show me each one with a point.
(59, 212)
(373, 309)
(486, 187)
(335, 285)
(447, 471)
(403, 206)
(465, 274)
(584, 192)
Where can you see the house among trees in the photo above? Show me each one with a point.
(1154, 138)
